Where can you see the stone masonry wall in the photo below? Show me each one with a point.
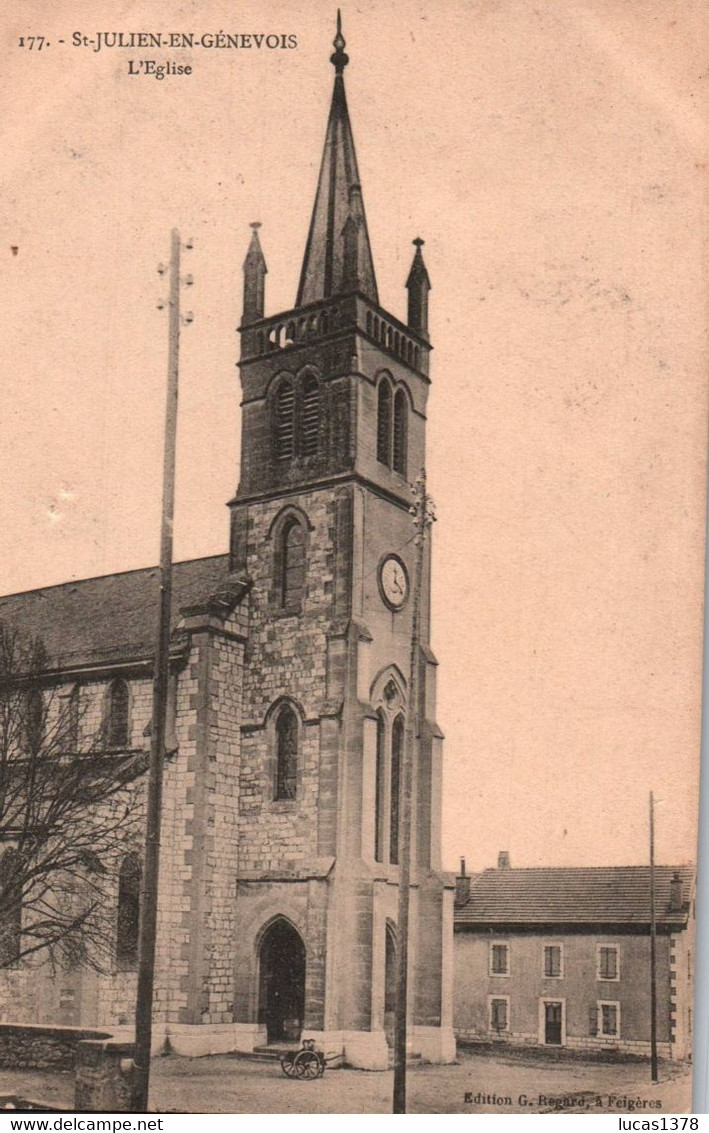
(286, 657)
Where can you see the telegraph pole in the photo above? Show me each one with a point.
(149, 893)
(423, 515)
(653, 949)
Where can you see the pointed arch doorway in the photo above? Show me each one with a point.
(390, 984)
(281, 982)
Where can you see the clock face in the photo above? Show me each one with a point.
(394, 582)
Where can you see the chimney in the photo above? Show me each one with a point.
(503, 859)
(676, 893)
(462, 885)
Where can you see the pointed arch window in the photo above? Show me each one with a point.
(379, 789)
(69, 721)
(286, 753)
(397, 751)
(384, 423)
(292, 564)
(285, 421)
(401, 430)
(117, 714)
(128, 920)
(34, 719)
(309, 416)
(10, 908)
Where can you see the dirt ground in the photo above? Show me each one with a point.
(477, 1083)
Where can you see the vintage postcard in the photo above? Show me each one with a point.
(350, 706)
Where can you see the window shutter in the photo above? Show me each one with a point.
(309, 417)
(593, 1019)
(285, 419)
(384, 423)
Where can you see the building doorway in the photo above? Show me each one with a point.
(281, 982)
(553, 1022)
(390, 985)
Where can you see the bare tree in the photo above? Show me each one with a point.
(69, 813)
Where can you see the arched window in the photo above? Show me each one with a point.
(379, 790)
(10, 908)
(286, 753)
(69, 722)
(128, 922)
(397, 751)
(292, 564)
(285, 421)
(309, 416)
(34, 719)
(401, 429)
(384, 423)
(117, 714)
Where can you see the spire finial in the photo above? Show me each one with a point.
(339, 59)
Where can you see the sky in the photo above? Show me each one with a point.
(553, 158)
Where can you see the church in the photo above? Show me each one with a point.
(281, 834)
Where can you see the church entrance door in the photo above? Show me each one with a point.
(282, 982)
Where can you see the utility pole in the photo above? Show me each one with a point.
(149, 891)
(653, 949)
(423, 516)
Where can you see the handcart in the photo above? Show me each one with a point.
(307, 1062)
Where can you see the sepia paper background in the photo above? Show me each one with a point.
(551, 155)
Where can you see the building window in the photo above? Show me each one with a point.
(397, 751)
(553, 961)
(609, 1020)
(384, 423)
(608, 959)
(286, 753)
(401, 431)
(117, 704)
(309, 416)
(69, 720)
(498, 1007)
(11, 901)
(499, 960)
(292, 564)
(128, 921)
(34, 719)
(285, 421)
(380, 769)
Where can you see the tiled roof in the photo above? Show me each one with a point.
(113, 617)
(602, 895)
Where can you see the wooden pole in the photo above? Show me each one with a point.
(405, 794)
(149, 895)
(653, 949)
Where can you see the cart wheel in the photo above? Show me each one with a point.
(288, 1065)
(307, 1064)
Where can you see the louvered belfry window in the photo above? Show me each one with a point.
(285, 420)
(384, 423)
(309, 416)
(401, 425)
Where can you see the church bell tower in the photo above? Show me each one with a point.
(333, 433)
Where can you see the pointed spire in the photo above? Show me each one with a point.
(338, 59)
(418, 286)
(254, 278)
(323, 273)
